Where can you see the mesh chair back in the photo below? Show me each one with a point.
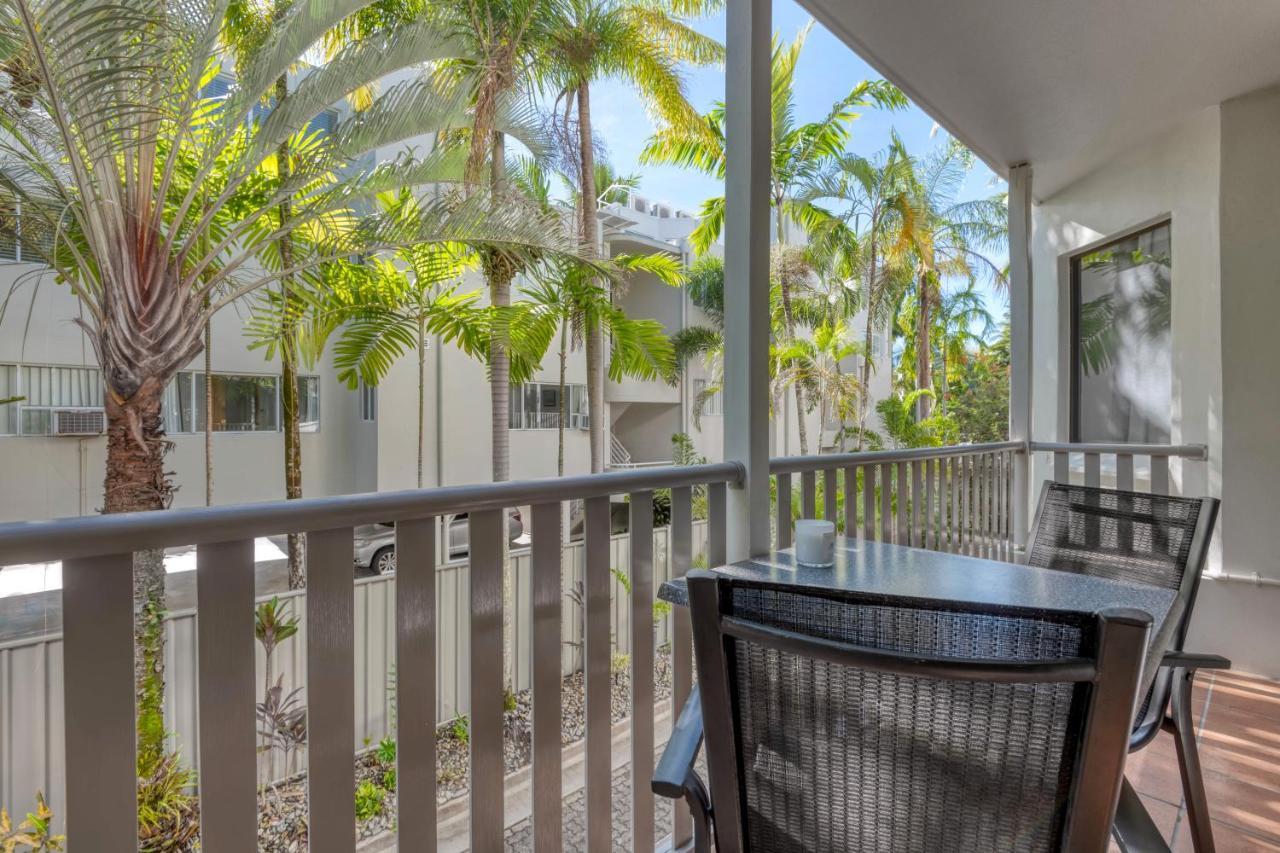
(837, 757)
(1131, 537)
(1125, 536)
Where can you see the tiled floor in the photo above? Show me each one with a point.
(1239, 736)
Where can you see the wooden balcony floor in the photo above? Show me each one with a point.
(1239, 736)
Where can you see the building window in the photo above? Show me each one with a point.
(309, 403)
(1121, 343)
(240, 403)
(711, 403)
(44, 388)
(368, 402)
(536, 405)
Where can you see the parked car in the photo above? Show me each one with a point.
(375, 544)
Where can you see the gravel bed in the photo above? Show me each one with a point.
(282, 809)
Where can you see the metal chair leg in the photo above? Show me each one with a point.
(699, 800)
(1184, 737)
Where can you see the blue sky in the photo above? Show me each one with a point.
(826, 72)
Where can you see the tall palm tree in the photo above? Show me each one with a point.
(952, 237)
(248, 24)
(878, 217)
(137, 180)
(799, 153)
(642, 42)
(495, 45)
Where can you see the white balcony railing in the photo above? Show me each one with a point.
(953, 498)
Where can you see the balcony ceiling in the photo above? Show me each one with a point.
(1062, 84)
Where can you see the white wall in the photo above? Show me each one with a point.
(1216, 179)
(53, 477)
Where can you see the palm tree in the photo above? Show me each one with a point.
(137, 181)
(642, 42)
(800, 152)
(495, 44)
(814, 362)
(950, 238)
(396, 309)
(878, 218)
(958, 314)
(248, 24)
(574, 301)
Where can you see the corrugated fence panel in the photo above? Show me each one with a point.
(31, 705)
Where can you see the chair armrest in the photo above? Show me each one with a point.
(670, 779)
(1193, 661)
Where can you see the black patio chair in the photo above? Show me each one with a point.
(1150, 539)
(843, 722)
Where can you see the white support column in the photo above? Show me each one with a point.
(1020, 370)
(746, 371)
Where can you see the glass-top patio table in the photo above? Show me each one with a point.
(879, 568)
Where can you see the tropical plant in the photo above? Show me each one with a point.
(800, 151)
(574, 299)
(642, 42)
(979, 392)
(370, 801)
(494, 45)
(34, 834)
(951, 238)
(135, 179)
(959, 326)
(898, 414)
(167, 815)
(282, 721)
(273, 623)
(875, 230)
(816, 363)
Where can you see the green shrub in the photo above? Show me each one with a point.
(370, 801)
(389, 779)
(387, 750)
(461, 728)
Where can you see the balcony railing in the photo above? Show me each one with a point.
(954, 498)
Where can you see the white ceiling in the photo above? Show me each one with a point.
(1062, 84)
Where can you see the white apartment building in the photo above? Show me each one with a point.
(52, 453)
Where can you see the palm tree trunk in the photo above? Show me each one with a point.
(289, 365)
(865, 402)
(924, 355)
(564, 366)
(942, 367)
(590, 238)
(208, 408)
(789, 325)
(136, 481)
(422, 388)
(499, 271)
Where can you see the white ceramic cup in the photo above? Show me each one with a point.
(815, 542)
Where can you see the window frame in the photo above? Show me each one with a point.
(518, 417)
(1072, 261)
(367, 402)
(20, 408)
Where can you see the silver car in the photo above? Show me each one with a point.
(375, 544)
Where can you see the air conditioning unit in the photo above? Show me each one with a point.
(79, 421)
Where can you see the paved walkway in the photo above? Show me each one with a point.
(520, 836)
